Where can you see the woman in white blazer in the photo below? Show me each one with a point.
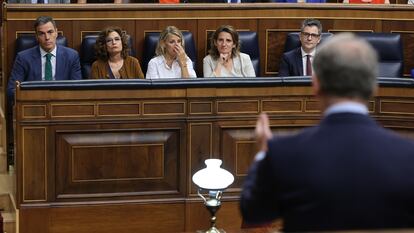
(225, 58)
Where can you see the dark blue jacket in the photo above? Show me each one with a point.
(27, 67)
(346, 173)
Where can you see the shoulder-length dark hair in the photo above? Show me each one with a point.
(100, 45)
(234, 35)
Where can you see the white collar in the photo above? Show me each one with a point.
(311, 53)
(347, 106)
(43, 52)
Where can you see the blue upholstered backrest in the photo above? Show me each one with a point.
(249, 43)
(390, 52)
(24, 42)
(293, 41)
(88, 56)
(150, 44)
(388, 45)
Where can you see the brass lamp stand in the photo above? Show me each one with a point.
(214, 180)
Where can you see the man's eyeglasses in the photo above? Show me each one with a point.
(110, 40)
(312, 35)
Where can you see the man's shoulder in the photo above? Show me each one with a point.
(294, 136)
(29, 52)
(292, 53)
(67, 50)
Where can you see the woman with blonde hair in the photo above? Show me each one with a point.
(171, 61)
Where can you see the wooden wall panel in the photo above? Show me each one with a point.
(124, 167)
(34, 180)
(200, 148)
(106, 163)
(238, 149)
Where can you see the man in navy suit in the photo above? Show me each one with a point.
(297, 62)
(345, 173)
(29, 64)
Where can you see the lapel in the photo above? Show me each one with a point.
(36, 57)
(59, 63)
(299, 62)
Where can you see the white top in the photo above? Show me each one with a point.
(312, 55)
(242, 67)
(52, 60)
(347, 106)
(158, 68)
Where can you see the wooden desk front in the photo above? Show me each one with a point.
(119, 156)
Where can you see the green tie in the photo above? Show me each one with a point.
(48, 67)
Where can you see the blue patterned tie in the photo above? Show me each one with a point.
(48, 67)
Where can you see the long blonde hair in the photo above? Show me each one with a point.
(169, 30)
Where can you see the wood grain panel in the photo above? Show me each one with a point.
(119, 109)
(120, 163)
(34, 111)
(232, 107)
(201, 108)
(245, 152)
(282, 106)
(127, 162)
(164, 108)
(312, 106)
(72, 110)
(200, 144)
(237, 150)
(397, 107)
(34, 164)
(116, 168)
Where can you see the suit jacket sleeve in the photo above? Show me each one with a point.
(258, 201)
(75, 69)
(17, 74)
(67, 64)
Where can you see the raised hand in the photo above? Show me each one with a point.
(263, 132)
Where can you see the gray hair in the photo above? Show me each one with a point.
(346, 66)
(310, 23)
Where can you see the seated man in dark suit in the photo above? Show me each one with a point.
(47, 61)
(297, 62)
(345, 173)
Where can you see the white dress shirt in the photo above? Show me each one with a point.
(312, 54)
(52, 60)
(158, 68)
